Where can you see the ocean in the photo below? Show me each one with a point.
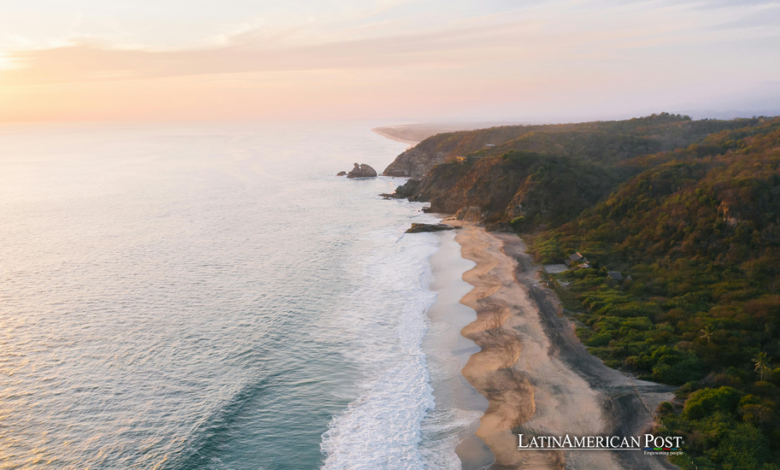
(186, 296)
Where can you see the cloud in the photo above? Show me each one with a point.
(715, 4)
(765, 18)
(409, 54)
(251, 52)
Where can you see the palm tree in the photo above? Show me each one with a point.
(762, 363)
(706, 333)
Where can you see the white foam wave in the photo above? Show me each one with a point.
(442, 431)
(385, 323)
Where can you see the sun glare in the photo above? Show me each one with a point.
(7, 62)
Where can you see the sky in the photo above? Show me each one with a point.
(122, 60)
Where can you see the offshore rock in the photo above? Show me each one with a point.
(362, 171)
(418, 228)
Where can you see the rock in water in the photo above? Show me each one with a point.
(417, 228)
(341, 173)
(362, 171)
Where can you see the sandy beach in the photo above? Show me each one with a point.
(536, 375)
(396, 135)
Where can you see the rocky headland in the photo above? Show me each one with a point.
(548, 174)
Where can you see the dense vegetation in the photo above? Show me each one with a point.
(680, 221)
(550, 174)
(696, 235)
(604, 141)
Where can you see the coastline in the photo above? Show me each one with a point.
(379, 131)
(534, 372)
(448, 352)
(536, 375)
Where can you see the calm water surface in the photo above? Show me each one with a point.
(211, 296)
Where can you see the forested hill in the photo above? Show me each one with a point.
(602, 140)
(549, 176)
(698, 232)
(683, 285)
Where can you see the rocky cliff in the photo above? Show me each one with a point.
(528, 185)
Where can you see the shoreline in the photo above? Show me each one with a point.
(448, 351)
(410, 143)
(536, 375)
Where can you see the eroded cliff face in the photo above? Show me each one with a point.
(496, 190)
(484, 184)
(415, 162)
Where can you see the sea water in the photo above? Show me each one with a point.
(183, 296)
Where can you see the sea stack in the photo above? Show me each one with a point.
(362, 171)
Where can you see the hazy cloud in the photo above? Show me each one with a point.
(431, 51)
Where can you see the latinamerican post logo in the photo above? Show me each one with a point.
(649, 443)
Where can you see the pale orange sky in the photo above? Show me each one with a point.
(498, 59)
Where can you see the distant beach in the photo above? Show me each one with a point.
(413, 134)
(397, 135)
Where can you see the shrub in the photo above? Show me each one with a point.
(691, 368)
(517, 223)
(710, 400)
(599, 339)
(742, 448)
(665, 408)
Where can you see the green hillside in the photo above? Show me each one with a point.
(698, 232)
(550, 174)
(606, 141)
(680, 221)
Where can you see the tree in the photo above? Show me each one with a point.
(707, 401)
(707, 332)
(762, 363)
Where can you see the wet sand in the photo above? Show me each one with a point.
(448, 351)
(536, 375)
